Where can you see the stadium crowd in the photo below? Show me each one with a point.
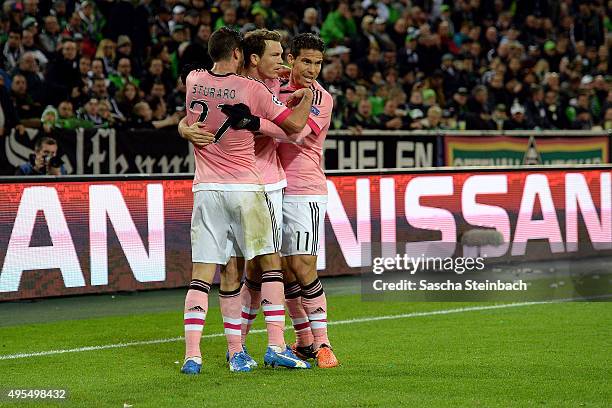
(413, 65)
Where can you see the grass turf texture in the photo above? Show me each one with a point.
(555, 355)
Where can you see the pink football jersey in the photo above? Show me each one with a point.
(229, 162)
(302, 162)
(266, 158)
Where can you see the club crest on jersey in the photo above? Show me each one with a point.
(276, 101)
(315, 111)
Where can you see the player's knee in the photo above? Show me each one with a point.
(304, 267)
(269, 262)
(203, 272)
(288, 276)
(231, 275)
(253, 270)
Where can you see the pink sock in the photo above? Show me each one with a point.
(230, 309)
(196, 306)
(315, 304)
(273, 308)
(250, 296)
(299, 318)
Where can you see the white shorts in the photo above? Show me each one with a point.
(221, 219)
(303, 223)
(276, 200)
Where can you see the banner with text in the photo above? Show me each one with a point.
(104, 235)
(516, 150)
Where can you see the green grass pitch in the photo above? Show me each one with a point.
(549, 355)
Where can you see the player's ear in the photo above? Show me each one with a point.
(290, 59)
(254, 59)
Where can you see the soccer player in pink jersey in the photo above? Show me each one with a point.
(263, 61)
(231, 207)
(305, 199)
(304, 206)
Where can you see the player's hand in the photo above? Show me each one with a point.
(297, 96)
(197, 135)
(284, 73)
(240, 117)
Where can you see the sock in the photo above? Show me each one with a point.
(273, 308)
(250, 296)
(315, 304)
(230, 309)
(299, 318)
(196, 305)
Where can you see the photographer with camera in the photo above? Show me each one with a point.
(44, 160)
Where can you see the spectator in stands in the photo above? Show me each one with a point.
(127, 97)
(339, 26)
(63, 73)
(89, 112)
(8, 114)
(99, 90)
(29, 69)
(91, 20)
(105, 113)
(433, 120)
(197, 50)
(536, 108)
(518, 120)
(106, 52)
(44, 161)
(143, 118)
(28, 110)
(310, 22)
(364, 119)
(499, 116)
(391, 119)
(27, 40)
(123, 74)
(67, 118)
(50, 38)
(12, 49)
(265, 9)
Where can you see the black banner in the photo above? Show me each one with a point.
(111, 151)
(381, 152)
(106, 151)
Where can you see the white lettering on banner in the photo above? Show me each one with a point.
(112, 155)
(172, 166)
(388, 222)
(577, 194)
(400, 160)
(430, 218)
(487, 215)
(16, 153)
(107, 200)
(351, 161)
(96, 157)
(536, 185)
(116, 165)
(350, 245)
(370, 154)
(21, 256)
(80, 150)
(366, 162)
(145, 165)
(190, 159)
(422, 152)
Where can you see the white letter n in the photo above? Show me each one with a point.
(107, 200)
(20, 256)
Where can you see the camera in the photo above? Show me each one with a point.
(51, 161)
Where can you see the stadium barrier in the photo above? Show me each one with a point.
(77, 235)
(112, 151)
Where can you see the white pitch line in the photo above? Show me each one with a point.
(337, 322)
